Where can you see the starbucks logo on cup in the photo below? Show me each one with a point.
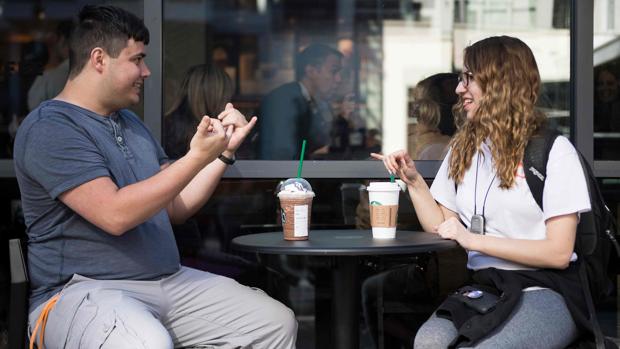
(283, 214)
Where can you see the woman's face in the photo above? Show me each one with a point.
(470, 93)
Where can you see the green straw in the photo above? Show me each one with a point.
(391, 178)
(301, 159)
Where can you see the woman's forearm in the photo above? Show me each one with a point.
(554, 251)
(428, 211)
(534, 253)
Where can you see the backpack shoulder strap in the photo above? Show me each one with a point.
(535, 162)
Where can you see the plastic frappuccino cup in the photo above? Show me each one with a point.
(295, 196)
(383, 203)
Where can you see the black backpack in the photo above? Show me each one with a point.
(596, 237)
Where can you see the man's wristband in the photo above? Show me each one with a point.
(227, 160)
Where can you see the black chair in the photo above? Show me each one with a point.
(410, 302)
(18, 308)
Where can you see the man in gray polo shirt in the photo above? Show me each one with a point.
(99, 197)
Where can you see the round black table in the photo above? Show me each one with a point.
(346, 246)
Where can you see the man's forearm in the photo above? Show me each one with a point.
(197, 191)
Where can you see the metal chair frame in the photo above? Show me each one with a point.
(18, 308)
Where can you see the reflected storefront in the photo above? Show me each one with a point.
(390, 85)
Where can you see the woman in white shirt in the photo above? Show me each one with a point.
(496, 116)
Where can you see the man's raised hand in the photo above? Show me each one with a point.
(232, 118)
(210, 139)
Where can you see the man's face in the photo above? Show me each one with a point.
(126, 74)
(607, 86)
(326, 77)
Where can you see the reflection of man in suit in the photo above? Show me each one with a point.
(300, 110)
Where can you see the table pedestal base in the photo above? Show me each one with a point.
(345, 304)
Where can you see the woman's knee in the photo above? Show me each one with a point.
(424, 340)
(435, 333)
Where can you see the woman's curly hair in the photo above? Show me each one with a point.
(506, 71)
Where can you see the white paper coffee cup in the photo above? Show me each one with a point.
(383, 204)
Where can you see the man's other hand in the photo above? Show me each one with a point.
(232, 118)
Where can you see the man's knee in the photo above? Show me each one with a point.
(128, 323)
(122, 333)
(289, 322)
(284, 318)
(281, 320)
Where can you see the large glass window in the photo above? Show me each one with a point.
(607, 80)
(34, 57)
(350, 77)
(396, 68)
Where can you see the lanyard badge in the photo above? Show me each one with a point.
(477, 220)
(477, 224)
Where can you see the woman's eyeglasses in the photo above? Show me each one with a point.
(465, 78)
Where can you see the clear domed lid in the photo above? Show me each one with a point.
(294, 185)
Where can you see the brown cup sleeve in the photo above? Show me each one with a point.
(383, 216)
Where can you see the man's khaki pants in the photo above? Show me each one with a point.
(190, 308)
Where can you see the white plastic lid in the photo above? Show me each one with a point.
(383, 186)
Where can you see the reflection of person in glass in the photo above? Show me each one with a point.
(514, 248)
(345, 117)
(425, 141)
(99, 196)
(205, 90)
(607, 102)
(48, 85)
(300, 110)
(348, 128)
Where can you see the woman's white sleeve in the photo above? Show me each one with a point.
(443, 188)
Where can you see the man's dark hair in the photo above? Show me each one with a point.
(314, 55)
(108, 27)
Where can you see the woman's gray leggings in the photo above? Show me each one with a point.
(540, 320)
